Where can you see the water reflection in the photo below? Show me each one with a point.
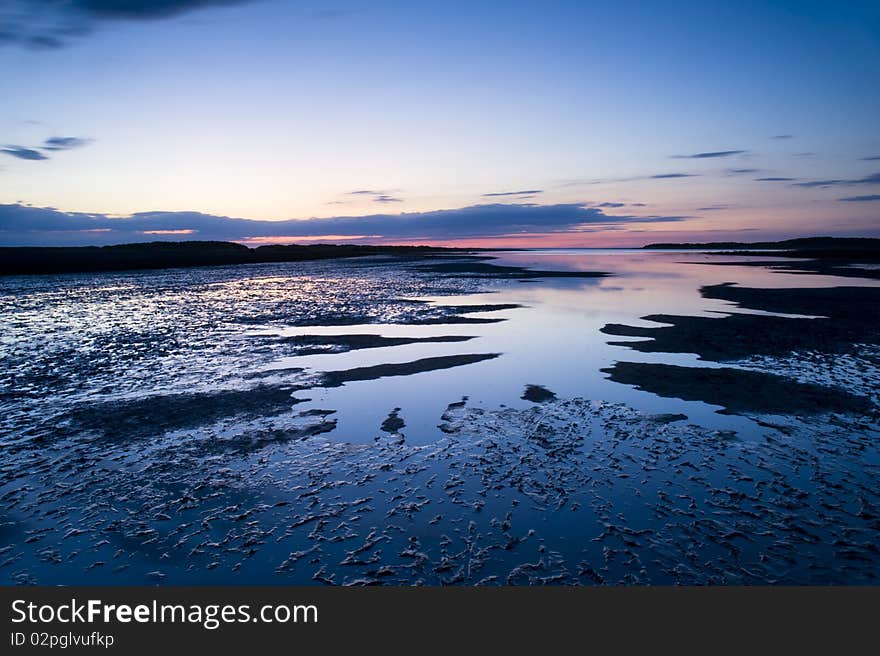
(156, 429)
(553, 339)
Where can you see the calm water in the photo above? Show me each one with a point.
(553, 340)
(145, 438)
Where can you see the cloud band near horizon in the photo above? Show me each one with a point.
(23, 225)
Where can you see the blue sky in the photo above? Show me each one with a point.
(272, 110)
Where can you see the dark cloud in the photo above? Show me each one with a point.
(64, 143)
(775, 179)
(25, 225)
(860, 199)
(782, 136)
(144, 9)
(712, 208)
(872, 158)
(742, 171)
(52, 23)
(23, 153)
(874, 178)
(803, 154)
(710, 155)
(529, 192)
(607, 204)
(667, 176)
(384, 198)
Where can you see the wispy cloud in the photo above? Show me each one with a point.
(23, 225)
(375, 195)
(860, 199)
(872, 158)
(525, 192)
(874, 178)
(711, 155)
(836, 182)
(809, 184)
(742, 171)
(64, 143)
(782, 136)
(654, 176)
(23, 153)
(49, 145)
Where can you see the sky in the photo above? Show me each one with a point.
(551, 124)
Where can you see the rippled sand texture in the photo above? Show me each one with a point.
(304, 423)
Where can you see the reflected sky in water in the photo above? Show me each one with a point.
(554, 340)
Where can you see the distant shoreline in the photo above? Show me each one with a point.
(35, 260)
(38, 260)
(813, 245)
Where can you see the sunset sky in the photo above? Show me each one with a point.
(485, 123)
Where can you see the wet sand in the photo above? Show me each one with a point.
(218, 479)
(843, 316)
(738, 390)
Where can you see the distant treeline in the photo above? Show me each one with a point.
(162, 255)
(828, 244)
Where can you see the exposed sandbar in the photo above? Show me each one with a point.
(850, 315)
(737, 390)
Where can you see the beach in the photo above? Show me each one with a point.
(573, 417)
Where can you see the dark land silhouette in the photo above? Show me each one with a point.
(163, 255)
(847, 248)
